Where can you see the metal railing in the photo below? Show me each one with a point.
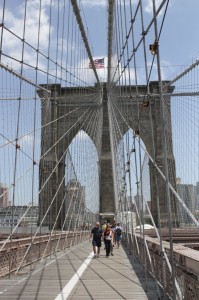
(13, 253)
(186, 262)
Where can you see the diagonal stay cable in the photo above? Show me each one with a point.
(49, 123)
(71, 200)
(163, 176)
(16, 226)
(139, 43)
(47, 208)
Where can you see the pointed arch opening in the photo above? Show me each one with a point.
(82, 171)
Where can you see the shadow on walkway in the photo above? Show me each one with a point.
(146, 280)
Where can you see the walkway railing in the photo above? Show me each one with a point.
(12, 255)
(186, 262)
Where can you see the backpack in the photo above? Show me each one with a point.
(119, 231)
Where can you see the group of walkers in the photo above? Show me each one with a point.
(108, 234)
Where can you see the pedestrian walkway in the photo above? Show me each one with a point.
(76, 275)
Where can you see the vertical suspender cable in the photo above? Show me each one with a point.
(165, 153)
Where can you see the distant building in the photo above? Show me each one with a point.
(130, 203)
(187, 194)
(197, 196)
(139, 204)
(74, 204)
(128, 219)
(197, 188)
(178, 180)
(4, 196)
(149, 205)
(11, 216)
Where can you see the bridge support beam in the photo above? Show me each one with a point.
(107, 200)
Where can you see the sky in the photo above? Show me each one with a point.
(179, 42)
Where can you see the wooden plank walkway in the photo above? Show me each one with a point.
(103, 278)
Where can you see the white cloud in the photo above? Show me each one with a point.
(27, 140)
(91, 3)
(148, 7)
(166, 70)
(14, 20)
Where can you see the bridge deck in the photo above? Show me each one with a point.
(102, 278)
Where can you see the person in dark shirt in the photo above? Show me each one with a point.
(118, 233)
(96, 233)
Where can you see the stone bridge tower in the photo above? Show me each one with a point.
(71, 109)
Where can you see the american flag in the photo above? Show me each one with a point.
(99, 63)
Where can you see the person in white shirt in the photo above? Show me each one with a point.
(108, 238)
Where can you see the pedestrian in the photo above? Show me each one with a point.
(108, 238)
(118, 234)
(113, 238)
(96, 235)
(104, 225)
(114, 235)
(103, 229)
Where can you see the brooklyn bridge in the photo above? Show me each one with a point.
(88, 138)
